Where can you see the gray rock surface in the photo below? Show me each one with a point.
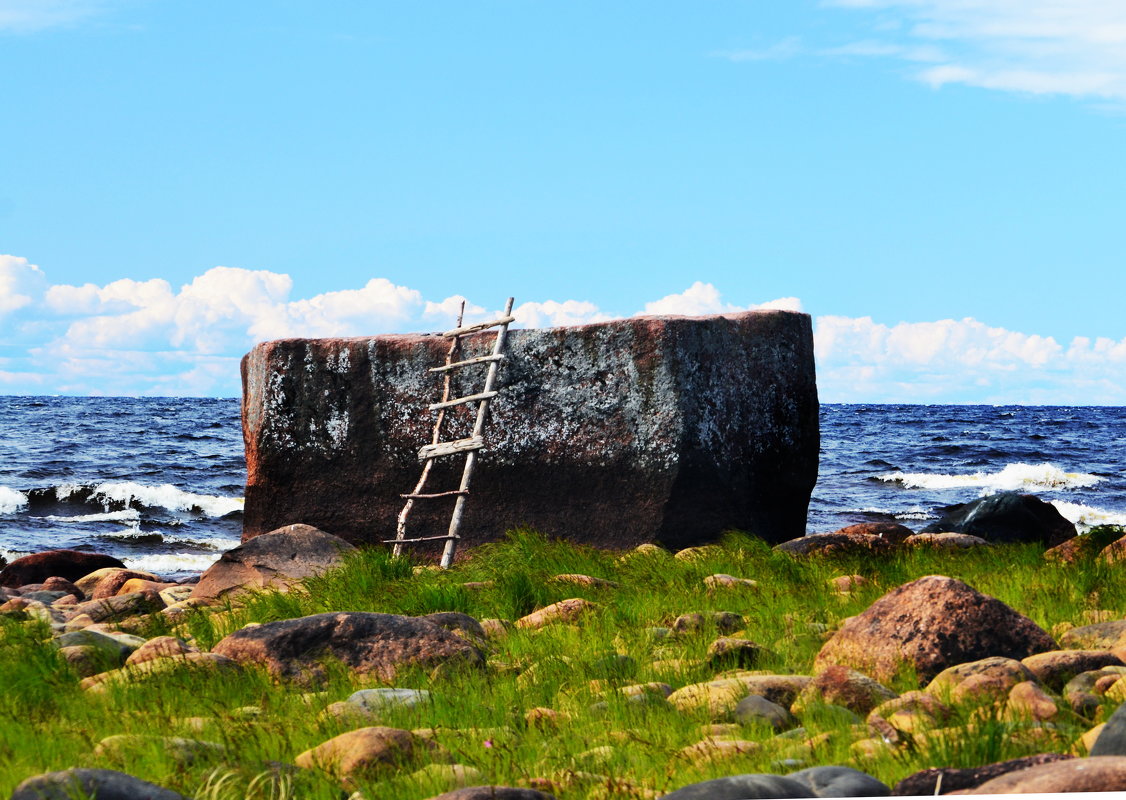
(104, 784)
(669, 429)
(831, 781)
(741, 787)
(1112, 738)
(370, 644)
(276, 560)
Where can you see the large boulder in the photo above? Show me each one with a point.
(931, 623)
(69, 564)
(944, 780)
(274, 560)
(1007, 517)
(669, 429)
(1095, 774)
(375, 645)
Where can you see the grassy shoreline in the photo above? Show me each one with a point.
(482, 717)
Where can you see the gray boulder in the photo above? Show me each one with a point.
(103, 784)
(1007, 517)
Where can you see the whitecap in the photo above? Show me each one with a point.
(11, 500)
(126, 515)
(168, 563)
(1087, 517)
(165, 496)
(1014, 477)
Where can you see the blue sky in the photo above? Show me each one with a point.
(939, 183)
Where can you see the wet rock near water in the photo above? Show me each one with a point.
(68, 564)
(1007, 517)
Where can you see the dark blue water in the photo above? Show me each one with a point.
(158, 482)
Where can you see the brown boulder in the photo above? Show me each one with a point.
(841, 686)
(832, 544)
(111, 580)
(1056, 667)
(667, 429)
(119, 607)
(1094, 774)
(1109, 635)
(275, 560)
(945, 780)
(891, 532)
(69, 564)
(930, 624)
(370, 644)
(369, 751)
(1084, 547)
(945, 541)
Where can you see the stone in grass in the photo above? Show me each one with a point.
(845, 687)
(160, 647)
(727, 653)
(836, 544)
(723, 621)
(930, 624)
(494, 793)
(112, 649)
(370, 751)
(1112, 739)
(181, 750)
(571, 610)
(947, 540)
(891, 532)
(376, 700)
(1056, 667)
(119, 607)
(463, 625)
(108, 582)
(104, 784)
(1084, 547)
(189, 667)
(813, 782)
(1108, 635)
(986, 678)
(276, 560)
(755, 710)
(375, 645)
(943, 780)
(1094, 774)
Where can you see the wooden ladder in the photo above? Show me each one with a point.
(467, 447)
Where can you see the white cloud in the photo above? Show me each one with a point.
(704, 298)
(780, 50)
(145, 337)
(28, 16)
(21, 283)
(1054, 47)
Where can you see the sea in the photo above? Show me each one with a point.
(158, 482)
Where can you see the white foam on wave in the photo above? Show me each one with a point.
(1014, 477)
(126, 515)
(167, 563)
(915, 512)
(165, 496)
(1087, 517)
(11, 500)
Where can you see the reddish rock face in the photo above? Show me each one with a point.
(68, 564)
(672, 429)
(932, 623)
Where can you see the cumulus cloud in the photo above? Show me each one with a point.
(147, 337)
(704, 298)
(1077, 47)
(21, 283)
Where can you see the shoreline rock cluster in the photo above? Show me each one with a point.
(972, 657)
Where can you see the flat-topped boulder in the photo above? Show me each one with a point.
(669, 429)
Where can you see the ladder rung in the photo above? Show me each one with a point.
(420, 539)
(468, 363)
(473, 398)
(451, 448)
(432, 495)
(480, 326)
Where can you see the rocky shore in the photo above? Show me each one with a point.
(830, 666)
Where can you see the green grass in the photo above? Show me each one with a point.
(48, 723)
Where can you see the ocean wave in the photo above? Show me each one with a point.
(11, 500)
(171, 563)
(1014, 477)
(126, 515)
(913, 513)
(1087, 517)
(167, 496)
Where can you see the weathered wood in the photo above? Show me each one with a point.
(468, 363)
(451, 448)
(478, 430)
(431, 496)
(473, 398)
(419, 539)
(436, 436)
(480, 326)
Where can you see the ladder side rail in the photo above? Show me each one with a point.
(478, 430)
